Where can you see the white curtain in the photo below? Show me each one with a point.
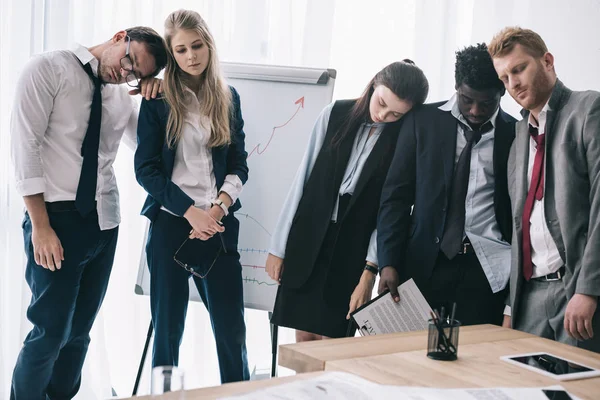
(353, 36)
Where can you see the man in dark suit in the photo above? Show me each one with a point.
(554, 184)
(450, 170)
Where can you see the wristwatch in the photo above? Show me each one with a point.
(220, 203)
(372, 269)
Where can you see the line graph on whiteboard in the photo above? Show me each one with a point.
(255, 281)
(253, 257)
(260, 150)
(278, 125)
(251, 218)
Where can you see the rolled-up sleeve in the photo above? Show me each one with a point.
(34, 100)
(232, 186)
(130, 133)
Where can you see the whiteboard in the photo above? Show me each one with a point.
(279, 107)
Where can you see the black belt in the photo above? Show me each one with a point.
(61, 206)
(555, 276)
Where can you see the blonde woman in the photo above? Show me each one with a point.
(192, 162)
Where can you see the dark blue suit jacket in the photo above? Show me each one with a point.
(415, 195)
(154, 161)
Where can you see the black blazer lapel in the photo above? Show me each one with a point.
(503, 137)
(447, 126)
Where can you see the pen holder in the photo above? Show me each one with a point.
(167, 379)
(442, 342)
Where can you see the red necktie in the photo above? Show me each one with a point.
(536, 192)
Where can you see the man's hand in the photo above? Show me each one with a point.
(506, 321)
(362, 292)
(149, 88)
(389, 279)
(47, 249)
(578, 316)
(274, 267)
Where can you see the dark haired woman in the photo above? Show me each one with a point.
(323, 252)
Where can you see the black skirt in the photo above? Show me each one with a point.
(319, 306)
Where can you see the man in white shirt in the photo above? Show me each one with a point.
(67, 122)
(554, 184)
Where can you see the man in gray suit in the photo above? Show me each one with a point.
(554, 185)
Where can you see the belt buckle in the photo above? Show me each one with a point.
(557, 278)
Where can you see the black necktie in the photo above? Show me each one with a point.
(455, 219)
(86, 190)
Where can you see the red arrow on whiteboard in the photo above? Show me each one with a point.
(257, 149)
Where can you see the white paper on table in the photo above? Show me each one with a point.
(383, 315)
(341, 385)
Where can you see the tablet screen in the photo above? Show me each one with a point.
(551, 364)
(557, 394)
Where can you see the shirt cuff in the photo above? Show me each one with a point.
(280, 254)
(232, 186)
(372, 251)
(507, 311)
(31, 186)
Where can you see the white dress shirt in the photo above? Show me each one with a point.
(544, 253)
(362, 147)
(193, 168)
(49, 120)
(481, 226)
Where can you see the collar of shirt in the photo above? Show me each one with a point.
(192, 101)
(187, 91)
(375, 124)
(540, 124)
(452, 106)
(363, 135)
(84, 55)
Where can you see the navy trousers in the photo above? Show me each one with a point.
(463, 281)
(221, 292)
(64, 304)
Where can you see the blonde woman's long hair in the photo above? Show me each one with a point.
(214, 96)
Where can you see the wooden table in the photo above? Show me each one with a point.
(478, 365)
(312, 356)
(228, 389)
(400, 359)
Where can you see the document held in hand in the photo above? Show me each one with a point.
(382, 315)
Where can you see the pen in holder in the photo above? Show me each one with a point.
(442, 342)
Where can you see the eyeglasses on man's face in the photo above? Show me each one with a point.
(127, 65)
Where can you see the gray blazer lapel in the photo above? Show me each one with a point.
(521, 165)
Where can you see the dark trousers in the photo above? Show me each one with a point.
(64, 304)
(463, 281)
(221, 292)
